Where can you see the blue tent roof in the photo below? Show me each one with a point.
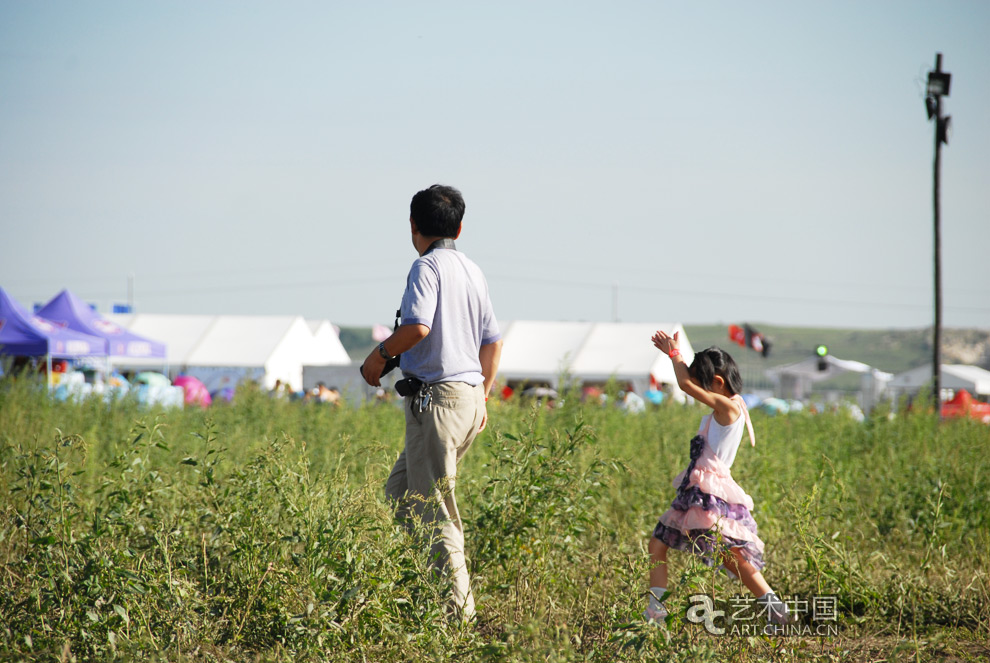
(67, 309)
(23, 334)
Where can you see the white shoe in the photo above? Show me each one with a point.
(777, 612)
(655, 616)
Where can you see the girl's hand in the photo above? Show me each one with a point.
(666, 343)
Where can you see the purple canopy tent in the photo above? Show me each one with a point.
(68, 310)
(23, 334)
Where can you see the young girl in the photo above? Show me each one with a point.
(711, 515)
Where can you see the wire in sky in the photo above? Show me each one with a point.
(733, 295)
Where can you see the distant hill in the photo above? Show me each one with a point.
(891, 350)
(357, 341)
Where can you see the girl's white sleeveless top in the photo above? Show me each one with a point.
(724, 440)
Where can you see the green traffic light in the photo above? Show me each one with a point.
(821, 350)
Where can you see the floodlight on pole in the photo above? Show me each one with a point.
(938, 80)
(939, 83)
(822, 352)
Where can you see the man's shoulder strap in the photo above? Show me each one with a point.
(442, 243)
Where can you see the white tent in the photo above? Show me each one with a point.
(180, 333)
(222, 350)
(539, 351)
(794, 380)
(973, 379)
(327, 348)
(252, 347)
(809, 368)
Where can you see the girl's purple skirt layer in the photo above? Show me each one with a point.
(710, 513)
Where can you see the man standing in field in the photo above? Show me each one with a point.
(450, 345)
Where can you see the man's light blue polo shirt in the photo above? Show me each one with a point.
(447, 292)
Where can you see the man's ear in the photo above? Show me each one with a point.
(412, 226)
(459, 229)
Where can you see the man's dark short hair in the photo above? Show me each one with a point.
(438, 211)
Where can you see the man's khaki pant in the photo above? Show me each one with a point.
(423, 477)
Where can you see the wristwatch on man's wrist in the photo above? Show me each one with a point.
(381, 350)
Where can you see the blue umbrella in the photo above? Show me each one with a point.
(751, 400)
(655, 396)
(152, 379)
(775, 406)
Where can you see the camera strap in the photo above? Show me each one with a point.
(442, 243)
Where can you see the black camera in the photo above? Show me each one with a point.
(390, 365)
(393, 363)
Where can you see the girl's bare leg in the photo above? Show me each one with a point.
(750, 577)
(777, 611)
(658, 563)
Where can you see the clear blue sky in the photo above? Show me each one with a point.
(709, 162)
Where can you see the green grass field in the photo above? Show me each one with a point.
(258, 531)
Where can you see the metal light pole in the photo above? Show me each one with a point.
(938, 86)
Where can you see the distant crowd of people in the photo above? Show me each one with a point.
(321, 393)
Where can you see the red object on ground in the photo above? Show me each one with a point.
(963, 405)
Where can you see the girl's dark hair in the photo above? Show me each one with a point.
(716, 361)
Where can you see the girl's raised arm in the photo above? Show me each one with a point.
(725, 409)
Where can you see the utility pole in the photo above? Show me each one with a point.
(938, 86)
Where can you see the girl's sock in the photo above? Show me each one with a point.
(656, 593)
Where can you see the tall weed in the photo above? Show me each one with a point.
(259, 530)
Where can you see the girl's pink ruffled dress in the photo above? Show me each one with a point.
(711, 512)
